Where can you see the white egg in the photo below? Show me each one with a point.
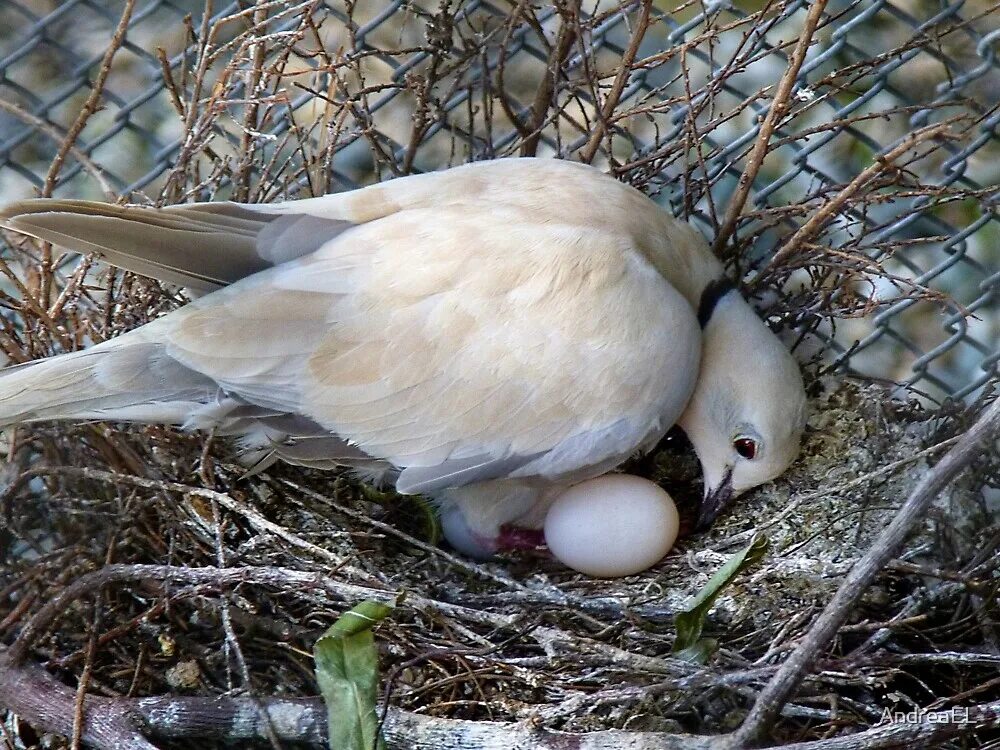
(611, 526)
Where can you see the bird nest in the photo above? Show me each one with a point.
(515, 640)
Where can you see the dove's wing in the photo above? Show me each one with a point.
(459, 345)
(202, 246)
(522, 317)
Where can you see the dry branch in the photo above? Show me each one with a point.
(777, 111)
(603, 124)
(124, 723)
(828, 211)
(780, 687)
(37, 123)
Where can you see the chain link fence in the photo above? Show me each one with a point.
(888, 132)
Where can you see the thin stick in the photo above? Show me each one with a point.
(227, 501)
(779, 107)
(232, 643)
(84, 681)
(553, 70)
(829, 210)
(254, 76)
(89, 108)
(43, 126)
(743, 537)
(93, 101)
(112, 723)
(601, 127)
(791, 672)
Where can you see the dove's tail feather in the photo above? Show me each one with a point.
(117, 381)
(203, 246)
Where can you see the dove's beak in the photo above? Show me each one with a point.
(715, 501)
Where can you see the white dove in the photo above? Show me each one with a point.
(485, 335)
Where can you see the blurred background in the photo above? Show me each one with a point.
(158, 101)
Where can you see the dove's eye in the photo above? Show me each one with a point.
(746, 447)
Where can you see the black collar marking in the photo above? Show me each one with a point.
(713, 292)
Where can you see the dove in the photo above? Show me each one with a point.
(485, 335)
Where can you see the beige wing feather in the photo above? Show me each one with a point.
(521, 317)
(460, 346)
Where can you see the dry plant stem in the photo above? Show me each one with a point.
(791, 672)
(830, 209)
(602, 126)
(514, 17)
(93, 101)
(555, 642)
(232, 642)
(250, 124)
(537, 594)
(115, 723)
(552, 640)
(70, 290)
(779, 107)
(883, 471)
(227, 501)
(169, 83)
(553, 70)
(549, 595)
(89, 108)
(270, 576)
(456, 560)
(40, 699)
(42, 126)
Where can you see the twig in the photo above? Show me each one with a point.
(456, 560)
(39, 698)
(553, 640)
(89, 108)
(778, 109)
(227, 501)
(114, 723)
(791, 672)
(553, 68)
(268, 576)
(93, 100)
(602, 125)
(84, 681)
(232, 642)
(883, 471)
(248, 142)
(43, 126)
(830, 209)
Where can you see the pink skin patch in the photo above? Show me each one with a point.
(515, 538)
(482, 547)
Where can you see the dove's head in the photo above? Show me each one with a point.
(746, 415)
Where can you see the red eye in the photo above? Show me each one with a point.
(746, 447)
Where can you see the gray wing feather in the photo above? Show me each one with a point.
(202, 246)
(292, 236)
(299, 440)
(416, 480)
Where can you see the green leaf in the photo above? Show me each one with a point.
(689, 644)
(347, 673)
(700, 652)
